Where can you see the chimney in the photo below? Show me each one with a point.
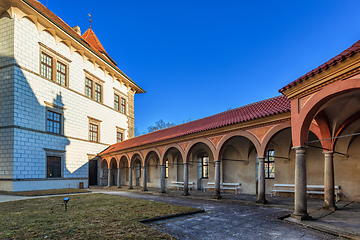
(77, 29)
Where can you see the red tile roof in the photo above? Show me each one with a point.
(92, 39)
(61, 24)
(355, 48)
(268, 107)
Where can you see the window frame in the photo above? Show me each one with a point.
(56, 58)
(94, 122)
(269, 159)
(205, 167)
(53, 121)
(58, 154)
(46, 65)
(167, 168)
(58, 110)
(59, 72)
(95, 81)
(122, 131)
(122, 103)
(116, 102)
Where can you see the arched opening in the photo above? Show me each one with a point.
(153, 174)
(174, 166)
(124, 171)
(104, 173)
(113, 172)
(201, 165)
(239, 163)
(137, 171)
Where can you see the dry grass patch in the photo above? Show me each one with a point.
(45, 192)
(89, 216)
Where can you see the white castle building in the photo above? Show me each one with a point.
(63, 100)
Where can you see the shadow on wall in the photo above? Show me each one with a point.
(33, 144)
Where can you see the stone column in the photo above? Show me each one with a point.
(186, 179)
(261, 181)
(119, 178)
(144, 180)
(217, 180)
(329, 183)
(300, 208)
(130, 178)
(109, 177)
(162, 178)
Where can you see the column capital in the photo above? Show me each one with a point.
(186, 163)
(261, 158)
(219, 160)
(327, 152)
(299, 148)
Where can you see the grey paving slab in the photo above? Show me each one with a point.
(227, 220)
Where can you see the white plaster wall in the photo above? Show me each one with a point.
(22, 154)
(6, 101)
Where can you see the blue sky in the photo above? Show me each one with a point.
(199, 58)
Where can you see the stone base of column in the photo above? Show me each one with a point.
(304, 217)
(131, 188)
(145, 189)
(263, 201)
(186, 194)
(217, 196)
(162, 191)
(119, 186)
(330, 207)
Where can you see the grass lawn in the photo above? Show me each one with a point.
(89, 216)
(45, 192)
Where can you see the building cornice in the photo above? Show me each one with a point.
(340, 71)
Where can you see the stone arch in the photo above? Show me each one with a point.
(205, 141)
(148, 155)
(301, 121)
(135, 156)
(113, 162)
(104, 162)
(168, 149)
(355, 117)
(240, 133)
(270, 135)
(123, 156)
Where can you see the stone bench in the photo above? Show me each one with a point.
(224, 186)
(310, 189)
(179, 185)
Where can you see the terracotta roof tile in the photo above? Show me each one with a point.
(268, 107)
(355, 48)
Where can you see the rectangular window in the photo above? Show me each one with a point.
(53, 167)
(46, 66)
(270, 164)
(119, 136)
(93, 132)
(88, 87)
(61, 73)
(116, 102)
(53, 122)
(97, 92)
(167, 168)
(205, 167)
(123, 106)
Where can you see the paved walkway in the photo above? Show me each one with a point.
(239, 217)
